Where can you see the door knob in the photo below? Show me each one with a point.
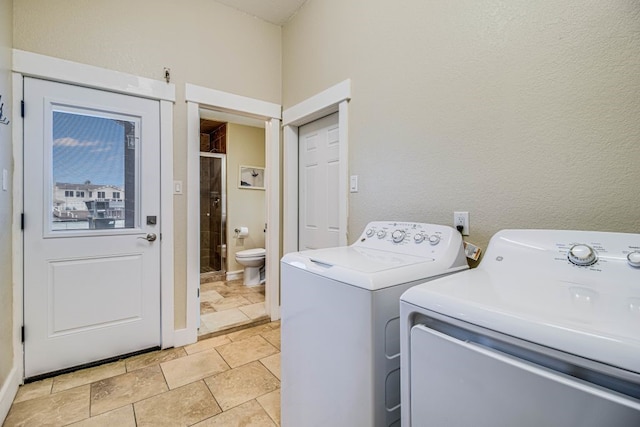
(151, 237)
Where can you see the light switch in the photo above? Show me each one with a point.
(353, 184)
(177, 187)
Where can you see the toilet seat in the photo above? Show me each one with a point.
(251, 253)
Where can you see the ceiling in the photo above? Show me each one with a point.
(275, 11)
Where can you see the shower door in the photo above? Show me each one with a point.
(213, 213)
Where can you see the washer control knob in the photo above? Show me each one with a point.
(381, 234)
(398, 236)
(434, 239)
(634, 259)
(582, 254)
(370, 232)
(418, 238)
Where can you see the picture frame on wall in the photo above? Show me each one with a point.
(251, 177)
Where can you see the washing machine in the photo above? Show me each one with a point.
(340, 347)
(545, 332)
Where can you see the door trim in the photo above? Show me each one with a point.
(45, 67)
(336, 98)
(196, 97)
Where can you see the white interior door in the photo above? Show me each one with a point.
(91, 233)
(319, 167)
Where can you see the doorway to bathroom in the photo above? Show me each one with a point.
(227, 205)
(222, 106)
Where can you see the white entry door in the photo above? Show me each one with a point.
(318, 197)
(91, 225)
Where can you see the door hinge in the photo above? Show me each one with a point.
(22, 221)
(22, 333)
(198, 292)
(22, 108)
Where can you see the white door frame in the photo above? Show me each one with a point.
(45, 67)
(196, 97)
(336, 98)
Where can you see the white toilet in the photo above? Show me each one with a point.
(253, 261)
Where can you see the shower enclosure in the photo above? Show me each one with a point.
(213, 213)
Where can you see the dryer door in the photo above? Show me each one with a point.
(457, 383)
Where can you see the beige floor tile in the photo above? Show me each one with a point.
(247, 414)
(254, 297)
(273, 364)
(210, 295)
(250, 332)
(224, 319)
(254, 311)
(203, 329)
(271, 403)
(206, 285)
(121, 417)
(240, 385)
(56, 409)
(192, 368)
(34, 390)
(153, 358)
(230, 302)
(207, 344)
(273, 336)
(112, 393)
(87, 376)
(206, 308)
(183, 406)
(237, 288)
(241, 352)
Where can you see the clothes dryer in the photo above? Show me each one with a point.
(340, 347)
(546, 331)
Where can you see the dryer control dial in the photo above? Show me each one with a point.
(381, 234)
(418, 238)
(634, 259)
(434, 239)
(581, 254)
(398, 236)
(370, 232)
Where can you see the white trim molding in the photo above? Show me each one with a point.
(336, 98)
(197, 97)
(8, 391)
(229, 102)
(319, 105)
(61, 70)
(55, 69)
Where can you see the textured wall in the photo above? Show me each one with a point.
(526, 114)
(6, 282)
(203, 42)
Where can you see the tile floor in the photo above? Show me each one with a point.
(228, 380)
(229, 305)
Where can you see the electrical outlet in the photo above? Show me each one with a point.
(461, 219)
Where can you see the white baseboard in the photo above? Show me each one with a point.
(234, 275)
(8, 393)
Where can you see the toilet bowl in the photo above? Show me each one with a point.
(252, 260)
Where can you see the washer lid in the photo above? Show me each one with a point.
(369, 268)
(533, 292)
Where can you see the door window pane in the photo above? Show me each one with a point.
(94, 172)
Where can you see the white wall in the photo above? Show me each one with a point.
(245, 207)
(6, 162)
(201, 41)
(526, 114)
